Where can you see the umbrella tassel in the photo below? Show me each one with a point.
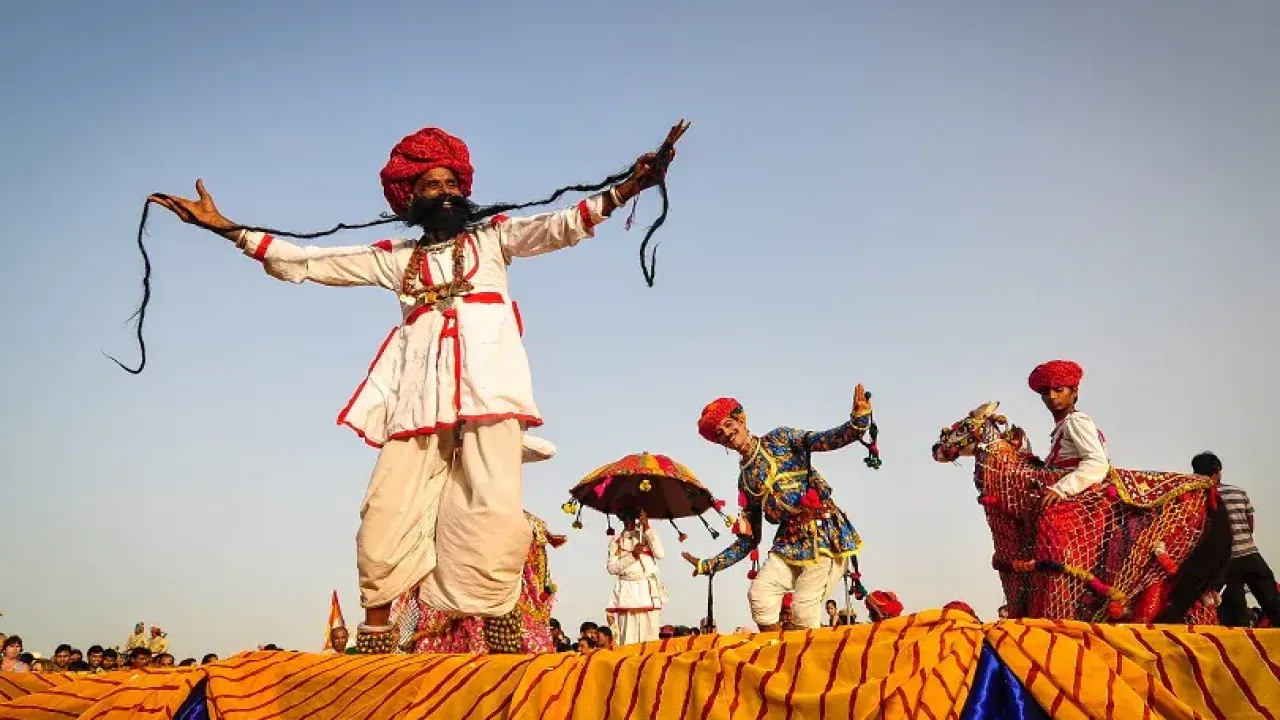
(859, 591)
(679, 535)
(710, 529)
(608, 520)
(577, 520)
(872, 459)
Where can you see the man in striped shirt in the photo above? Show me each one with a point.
(1247, 566)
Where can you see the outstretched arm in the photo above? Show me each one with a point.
(342, 266)
(741, 547)
(839, 436)
(539, 234)
(544, 233)
(351, 266)
(827, 440)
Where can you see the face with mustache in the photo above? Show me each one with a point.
(438, 206)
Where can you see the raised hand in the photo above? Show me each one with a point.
(861, 401)
(650, 168)
(695, 562)
(202, 211)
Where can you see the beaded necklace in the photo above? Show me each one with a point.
(440, 294)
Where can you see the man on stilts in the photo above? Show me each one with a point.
(448, 395)
(776, 481)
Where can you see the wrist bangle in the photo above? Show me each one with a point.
(613, 195)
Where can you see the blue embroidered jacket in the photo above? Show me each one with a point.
(776, 481)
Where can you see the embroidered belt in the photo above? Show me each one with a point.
(445, 305)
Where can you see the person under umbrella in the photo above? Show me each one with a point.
(638, 593)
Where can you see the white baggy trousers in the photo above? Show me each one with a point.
(445, 513)
(811, 584)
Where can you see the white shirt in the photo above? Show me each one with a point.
(1077, 442)
(627, 566)
(424, 378)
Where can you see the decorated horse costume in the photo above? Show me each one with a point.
(1156, 553)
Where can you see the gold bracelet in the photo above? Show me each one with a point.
(613, 195)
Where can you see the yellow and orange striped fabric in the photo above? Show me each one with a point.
(916, 666)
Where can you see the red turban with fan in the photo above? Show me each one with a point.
(416, 154)
(713, 414)
(1055, 374)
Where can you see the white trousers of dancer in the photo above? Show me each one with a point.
(638, 627)
(810, 585)
(447, 518)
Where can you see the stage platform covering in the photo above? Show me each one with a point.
(935, 664)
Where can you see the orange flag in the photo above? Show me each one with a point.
(335, 618)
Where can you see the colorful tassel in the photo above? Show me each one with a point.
(1115, 610)
(811, 499)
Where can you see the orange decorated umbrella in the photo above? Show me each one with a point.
(654, 485)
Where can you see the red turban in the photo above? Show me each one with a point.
(1055, 374)
(416, 154)
(788, 599)
(884, 603)
(960, 605)
(713, 414)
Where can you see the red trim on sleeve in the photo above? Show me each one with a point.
(585, 213)
(384, 245)
(260, 252)
(515, 308)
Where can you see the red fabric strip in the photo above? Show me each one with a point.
(260, 252)
(1198, 673)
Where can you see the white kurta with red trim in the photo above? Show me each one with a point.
(1078, 444)
(438, 367)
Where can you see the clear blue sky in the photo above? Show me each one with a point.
(929, 200)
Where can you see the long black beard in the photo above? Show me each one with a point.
(441, 218)
(648, 260)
